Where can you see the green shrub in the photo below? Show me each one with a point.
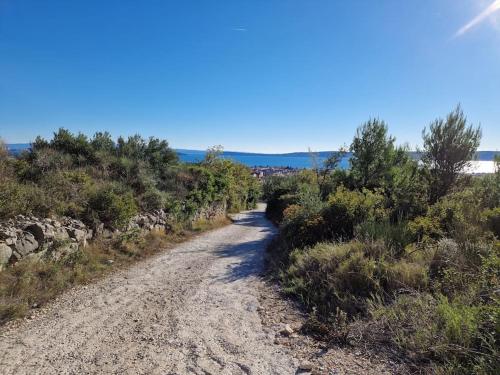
(68, 191)
(282, 191)
(337, 221)
(458, 322)
(153, 199)
(328, 276)
(346, 209)
(492, 219)
(407, 192)
(425, 229)
(455, 336)
(111, 205)
(304, 230)
(373, 154)
(459, 215)
(346, 276)
(403, 276)
(426, 254)
(396, 237)
(277, 204)
(23, 199)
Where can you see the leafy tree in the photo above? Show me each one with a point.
(213, 155)
(39, 144)
(159, 154)
(134, 147)
(102, 141)
(77, 146)
(449, 146)
(372, 154)
(407, 191)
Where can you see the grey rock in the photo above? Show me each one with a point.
(60, 233)
(158, 227)
(8, 235)
(286, 330)
(77, 234)
(5, 254)
(305, 366)
(107, 234)
(90, 234)
(63, 250)
(98, 229)
(11, 240)
(41, 232)
(26, 244)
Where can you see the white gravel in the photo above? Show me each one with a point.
(190, 310)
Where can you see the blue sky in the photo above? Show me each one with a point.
(256, 75)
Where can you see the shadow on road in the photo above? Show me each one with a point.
(248, 256)
(253, 219)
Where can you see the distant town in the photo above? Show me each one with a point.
(262, 172)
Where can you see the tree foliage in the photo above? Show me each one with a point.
(449, 145)
(98, 179)
(372, 150)
(399, 243)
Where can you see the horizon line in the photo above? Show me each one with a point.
(180, 149)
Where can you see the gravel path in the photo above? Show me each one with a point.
(191, 310)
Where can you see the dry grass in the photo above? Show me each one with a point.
(31, 284)
(204, 225)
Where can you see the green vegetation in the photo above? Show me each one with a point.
(99, 181)
(409, 249)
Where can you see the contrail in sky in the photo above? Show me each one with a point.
(494, 7)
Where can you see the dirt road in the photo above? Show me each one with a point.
(190, 310)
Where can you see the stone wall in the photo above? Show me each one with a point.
(31, 237)
(212, 212)
(28, 236)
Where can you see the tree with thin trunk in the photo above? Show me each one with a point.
(372, 154)
(449, 146)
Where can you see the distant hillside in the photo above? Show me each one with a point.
(16, 148)
(481, 155)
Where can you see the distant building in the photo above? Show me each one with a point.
(262, 172)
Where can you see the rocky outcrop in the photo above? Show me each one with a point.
(211, 212)
(156, 220)
(5, 254)
(28, 236)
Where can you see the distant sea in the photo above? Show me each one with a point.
(296, 160)
(483, 164)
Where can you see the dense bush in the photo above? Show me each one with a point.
(491, 217)
(411, 248)
(448, 147)
(103, 182)
(22, 199)
(100, 180)
(330, 276)
(112, 205)
(457, 336)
